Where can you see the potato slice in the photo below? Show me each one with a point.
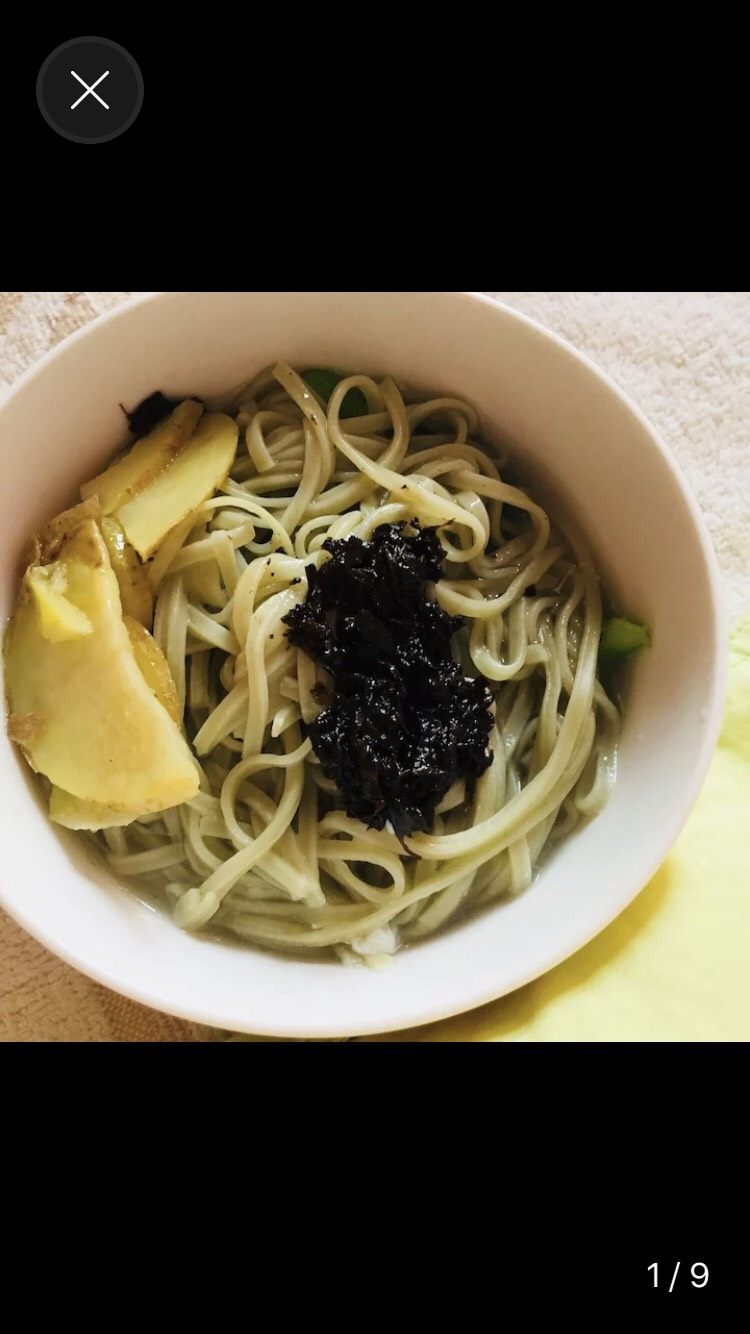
(135, 590)
(148, 457)
(59, 619)
(47, 545)
(95, 727)
(153, 666)
(77, 814)
(193, 476)
(71, 811)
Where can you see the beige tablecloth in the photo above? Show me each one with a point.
(684, 357)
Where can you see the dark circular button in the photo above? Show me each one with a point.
(89, 90)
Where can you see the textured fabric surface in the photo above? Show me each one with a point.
(685, 359)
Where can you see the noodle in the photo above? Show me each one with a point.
(264, 852)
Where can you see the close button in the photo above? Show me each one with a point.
(90, 90)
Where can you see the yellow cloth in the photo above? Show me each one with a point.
(675, 966)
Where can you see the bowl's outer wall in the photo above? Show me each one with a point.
(579, 436)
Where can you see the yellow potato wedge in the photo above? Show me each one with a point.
(77, 814)
(146, 460)
(153, 666)
(135, 590)
(59, 619)
(47, 544)
(191, 478)
(82, 709)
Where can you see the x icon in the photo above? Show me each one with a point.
(90, 90)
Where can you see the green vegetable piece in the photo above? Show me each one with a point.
(323, 382)
(621, 637)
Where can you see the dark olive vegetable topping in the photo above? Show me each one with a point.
(324, 381)
(150, 411)
(404, 723)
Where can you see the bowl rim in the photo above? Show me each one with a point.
(480, 996)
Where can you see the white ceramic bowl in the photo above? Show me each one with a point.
(578, 434)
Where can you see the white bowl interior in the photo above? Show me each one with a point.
(584, 442)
